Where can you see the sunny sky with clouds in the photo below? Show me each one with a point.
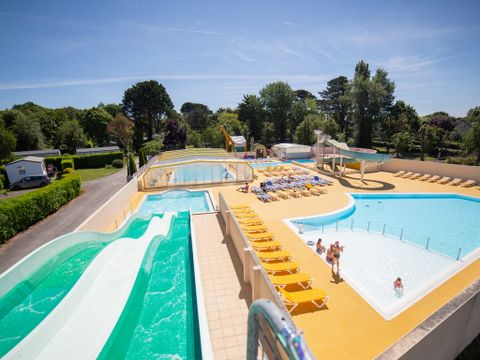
(59, 53)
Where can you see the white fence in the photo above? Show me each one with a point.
(465, 172)
(115, 211)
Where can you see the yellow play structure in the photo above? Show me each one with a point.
(233, 143)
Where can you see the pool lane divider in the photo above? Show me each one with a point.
(81, 323)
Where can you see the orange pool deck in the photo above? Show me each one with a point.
(349, 327)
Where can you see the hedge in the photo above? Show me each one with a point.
(92, 161)
(67, 164)
(20, 212)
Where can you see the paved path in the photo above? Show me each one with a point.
(66, 219)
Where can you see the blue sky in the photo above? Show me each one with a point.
(59, 53)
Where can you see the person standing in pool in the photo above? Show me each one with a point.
(397, 285)
(337, 249)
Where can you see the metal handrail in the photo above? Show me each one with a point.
(278, 336)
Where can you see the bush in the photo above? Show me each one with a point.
(67, 164)
(117, 163)
(68, 171)
(468, 160)
(93, 161)
(19, 213)
(132, 167)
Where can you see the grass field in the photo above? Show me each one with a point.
(92, 174)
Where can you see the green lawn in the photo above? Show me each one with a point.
(92, 174)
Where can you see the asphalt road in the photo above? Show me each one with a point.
(66, 219)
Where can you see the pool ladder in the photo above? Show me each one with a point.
(274, 333)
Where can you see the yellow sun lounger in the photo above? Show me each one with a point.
(468, 183)
(407, 175)
(267, 245)
(250, 215)
(292, 299)
(282, 281)
(283, 194)
(444, 180)
(399, 173)
(415, 176)
(240, 206)
(254, 228)
(434, 179)
(455, 182)
(267, 256)
(288, 266)
(424, 177)
(250, 221)
(261, 236)
(242, 211)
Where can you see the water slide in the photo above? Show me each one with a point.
(358, 154)
(81, 323)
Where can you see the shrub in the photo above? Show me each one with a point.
(132, 167)
(117, 163)
(19, 213)
(92, 161)
(67, 164)
(68, 171)
(468, 160)
(142, 157)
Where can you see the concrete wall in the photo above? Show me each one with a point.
(116, 210)
(444, 334)
(434, 168)
(253, 272)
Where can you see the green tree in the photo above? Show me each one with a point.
(402, 142)
(251, 112)
(112, 109)
(175, 135)
(300, 110)
(132, 166)
(472, 137)
(268, 133)
(304, 134)
(95, 124)
(277, 98)
(71, 135)
(142, 158)
(28, 133)
(336, 101)
(427, 137)
(121, 129)
(7, 143)
(153, 147)
(360, 103)
(196, 115)
(147, 103)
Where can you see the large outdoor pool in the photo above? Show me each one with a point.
(176, 200)
(263, 165)
(201, 173)
(417, 237)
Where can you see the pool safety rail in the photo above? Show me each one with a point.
(274, 334)
(352, 225)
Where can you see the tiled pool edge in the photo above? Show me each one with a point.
(205, 341)
(457, 319)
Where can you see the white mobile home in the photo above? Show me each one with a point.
(27, 166)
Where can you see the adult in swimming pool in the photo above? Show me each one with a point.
(397, 284)
(337, 249)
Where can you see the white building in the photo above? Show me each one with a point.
(289, 151)
(27, 166)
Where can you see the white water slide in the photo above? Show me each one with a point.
(81, 323)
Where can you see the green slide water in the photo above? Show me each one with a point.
(159, 319)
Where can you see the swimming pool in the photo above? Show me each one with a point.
(176, 200)
(413, 236)
(200, 173)
(263, 165)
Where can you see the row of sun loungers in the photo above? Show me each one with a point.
(293, 286)
(282, 170)
(435, 179)
(297, 187)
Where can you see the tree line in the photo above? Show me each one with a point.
(361, 111)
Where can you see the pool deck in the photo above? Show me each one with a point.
(348, 327)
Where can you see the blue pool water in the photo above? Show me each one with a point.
(200, 173)
(176, 200)
(450, 221)
(278, 163)
(374, 255)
